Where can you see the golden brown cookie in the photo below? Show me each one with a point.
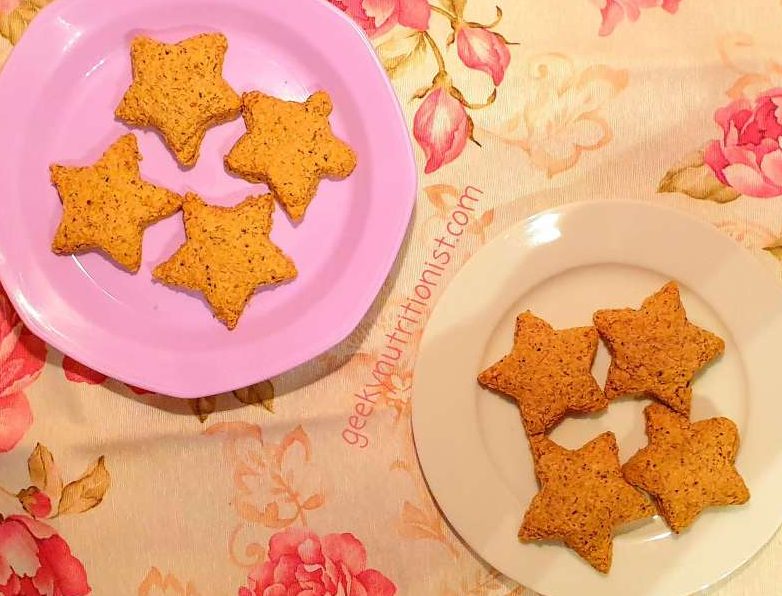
(227, 254)
(686, 466)
(290, 147)
(656, 350)
(583, 498)
(108, 206)
(548, 373)
(179, 89)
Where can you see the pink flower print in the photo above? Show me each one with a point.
(376, 17)
(35, 502)
(615, 11)
(79, 373)
(35, 560)
(441, 126)
(21, 359)
(483, 50)
(748, 157)
(8, 6)
(15, 419)
(299, 562)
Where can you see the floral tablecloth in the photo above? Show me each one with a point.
(308, 482)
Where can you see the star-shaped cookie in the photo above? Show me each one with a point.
(686, 466)
(290, 147)
(548, 373)
(108, 206)
(179, 89)
(583, 498)
(656, 350)
(227, 254)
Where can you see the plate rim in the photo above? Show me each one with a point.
(426, 462)
(336, 333)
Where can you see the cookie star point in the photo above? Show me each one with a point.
(583, 498)
(687, 466)
(656, 350)
(107, 206)
(548, 373)
(179, 90)
(290, 146)
(227, 255)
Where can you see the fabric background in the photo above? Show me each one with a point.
(670, 101)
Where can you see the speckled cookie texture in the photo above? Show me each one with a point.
(583, 498)
(179, 89)
(227, 254)
(548, 373)
(107, 206)
(687, 466)
(655, 350)
(289, 146)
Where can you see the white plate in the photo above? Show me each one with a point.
(564, 264)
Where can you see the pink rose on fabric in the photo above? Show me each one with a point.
(748, 158)
(441, 126)
(7, 6)
(35, 502)
(484, 50)
(302, 563)
(376, 17)
(21, 359)
(615, 11)
(79, 373)
(15, 419)
(35, 560)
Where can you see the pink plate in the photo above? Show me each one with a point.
(58, 92)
